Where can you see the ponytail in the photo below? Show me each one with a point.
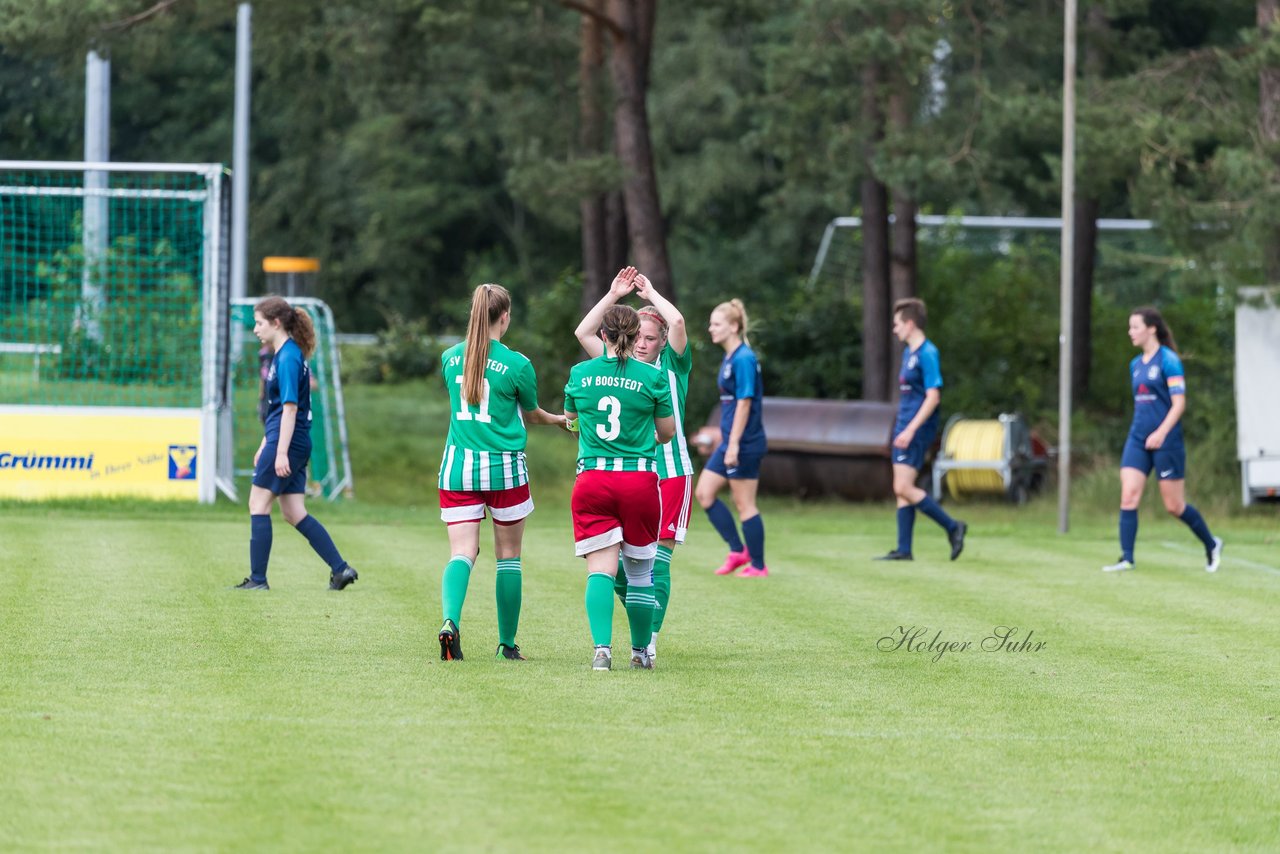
(1151, 317)
(488, 304)
(621, 328)
(295, 322)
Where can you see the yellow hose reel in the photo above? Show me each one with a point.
(987, 457)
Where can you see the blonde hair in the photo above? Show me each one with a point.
(648, 312)
(488, 304)
(735, 312)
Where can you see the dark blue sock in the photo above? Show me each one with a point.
(259, 546)
(320, 540)
(1128, 533)
(906, 527)
(934, 511)
(722, 521)
(1191, 516)
(753, 533)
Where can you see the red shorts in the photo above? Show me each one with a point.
(677, 498)
(616, 507)
(508, 505)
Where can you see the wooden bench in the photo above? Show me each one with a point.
(821, 447)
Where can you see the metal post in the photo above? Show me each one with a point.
(240, 155)
(97, 149)
(1068, 241)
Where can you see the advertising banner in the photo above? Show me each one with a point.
(71, 451)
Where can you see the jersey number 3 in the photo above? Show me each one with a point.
(464, 414)
(610, 431)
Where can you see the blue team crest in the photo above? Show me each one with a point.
(182, 462)
(912, 362)
(1153, 372)
(727, 370)
(271, 373)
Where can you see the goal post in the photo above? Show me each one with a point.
(113, 328)
(329, 470)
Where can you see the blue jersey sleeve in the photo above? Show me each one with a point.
(289, 370)
(744, 375)
(930, 367)
(1174, 376)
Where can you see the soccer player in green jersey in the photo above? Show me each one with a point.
(484, 464)
(619, 403)
(663, 343)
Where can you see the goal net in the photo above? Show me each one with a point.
(113, 331)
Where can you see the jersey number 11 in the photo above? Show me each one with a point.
(464, 414)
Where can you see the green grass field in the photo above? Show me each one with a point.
(144, 704)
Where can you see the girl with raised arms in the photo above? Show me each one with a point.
(663, 343)
(618, 403)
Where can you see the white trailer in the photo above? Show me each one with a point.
(1258, 392)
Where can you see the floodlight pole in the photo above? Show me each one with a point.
(1068, 241)
(95, 225)
(240, 155)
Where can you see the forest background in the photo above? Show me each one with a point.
(419, 149)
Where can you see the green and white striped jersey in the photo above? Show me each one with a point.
(673, 457)
(616, 406)
(485, 447)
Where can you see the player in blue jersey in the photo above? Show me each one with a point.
(280, 465)
(919, 390)
(1155, 438)
(742, 445)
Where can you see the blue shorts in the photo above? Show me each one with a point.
(1169, 460)
(748, 467)
(264, 473)
(913, 455)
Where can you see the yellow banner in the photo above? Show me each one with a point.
(55, 452)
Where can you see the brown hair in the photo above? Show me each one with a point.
(912, 309)
(295, 322)
(621, 327)
(736, 312)
(488, 304)
(1151, 316)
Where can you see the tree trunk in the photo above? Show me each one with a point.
(902, 259)
(629, 66)
(1083, 253)
(1269, 122)
(903, 267)
(1086, 205)
(876, 321)
(595, 243)
(617, 246)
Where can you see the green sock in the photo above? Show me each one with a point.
(661, 585)
(599, 602)
(508, 591)
(640, 604)
(453, 587)
(620, 582)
